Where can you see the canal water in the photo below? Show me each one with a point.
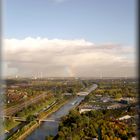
(51, 128)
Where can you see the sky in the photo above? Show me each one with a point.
(70, 37)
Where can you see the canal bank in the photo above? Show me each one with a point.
(51, 128)
(27, 129)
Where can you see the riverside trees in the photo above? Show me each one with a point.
(85, 126)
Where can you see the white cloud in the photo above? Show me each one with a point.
(58, 57)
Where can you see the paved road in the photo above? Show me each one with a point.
(13, 109)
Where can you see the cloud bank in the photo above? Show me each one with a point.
(57, 57)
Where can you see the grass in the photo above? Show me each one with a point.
(42, 115)
(35, 108)
(22, 131)
(10, 123)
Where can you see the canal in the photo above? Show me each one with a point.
(51, 128)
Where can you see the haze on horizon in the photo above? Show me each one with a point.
(68, 38)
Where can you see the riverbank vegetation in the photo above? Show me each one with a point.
(23, 130)
(34, 109)
(21, 90)
(33, 122)
(100, 121)
(95, 124)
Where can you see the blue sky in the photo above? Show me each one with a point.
(70, 37)
(99, 21)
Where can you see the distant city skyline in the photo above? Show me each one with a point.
(73, 38)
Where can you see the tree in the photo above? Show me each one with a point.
(118, 95)
(30, 118)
